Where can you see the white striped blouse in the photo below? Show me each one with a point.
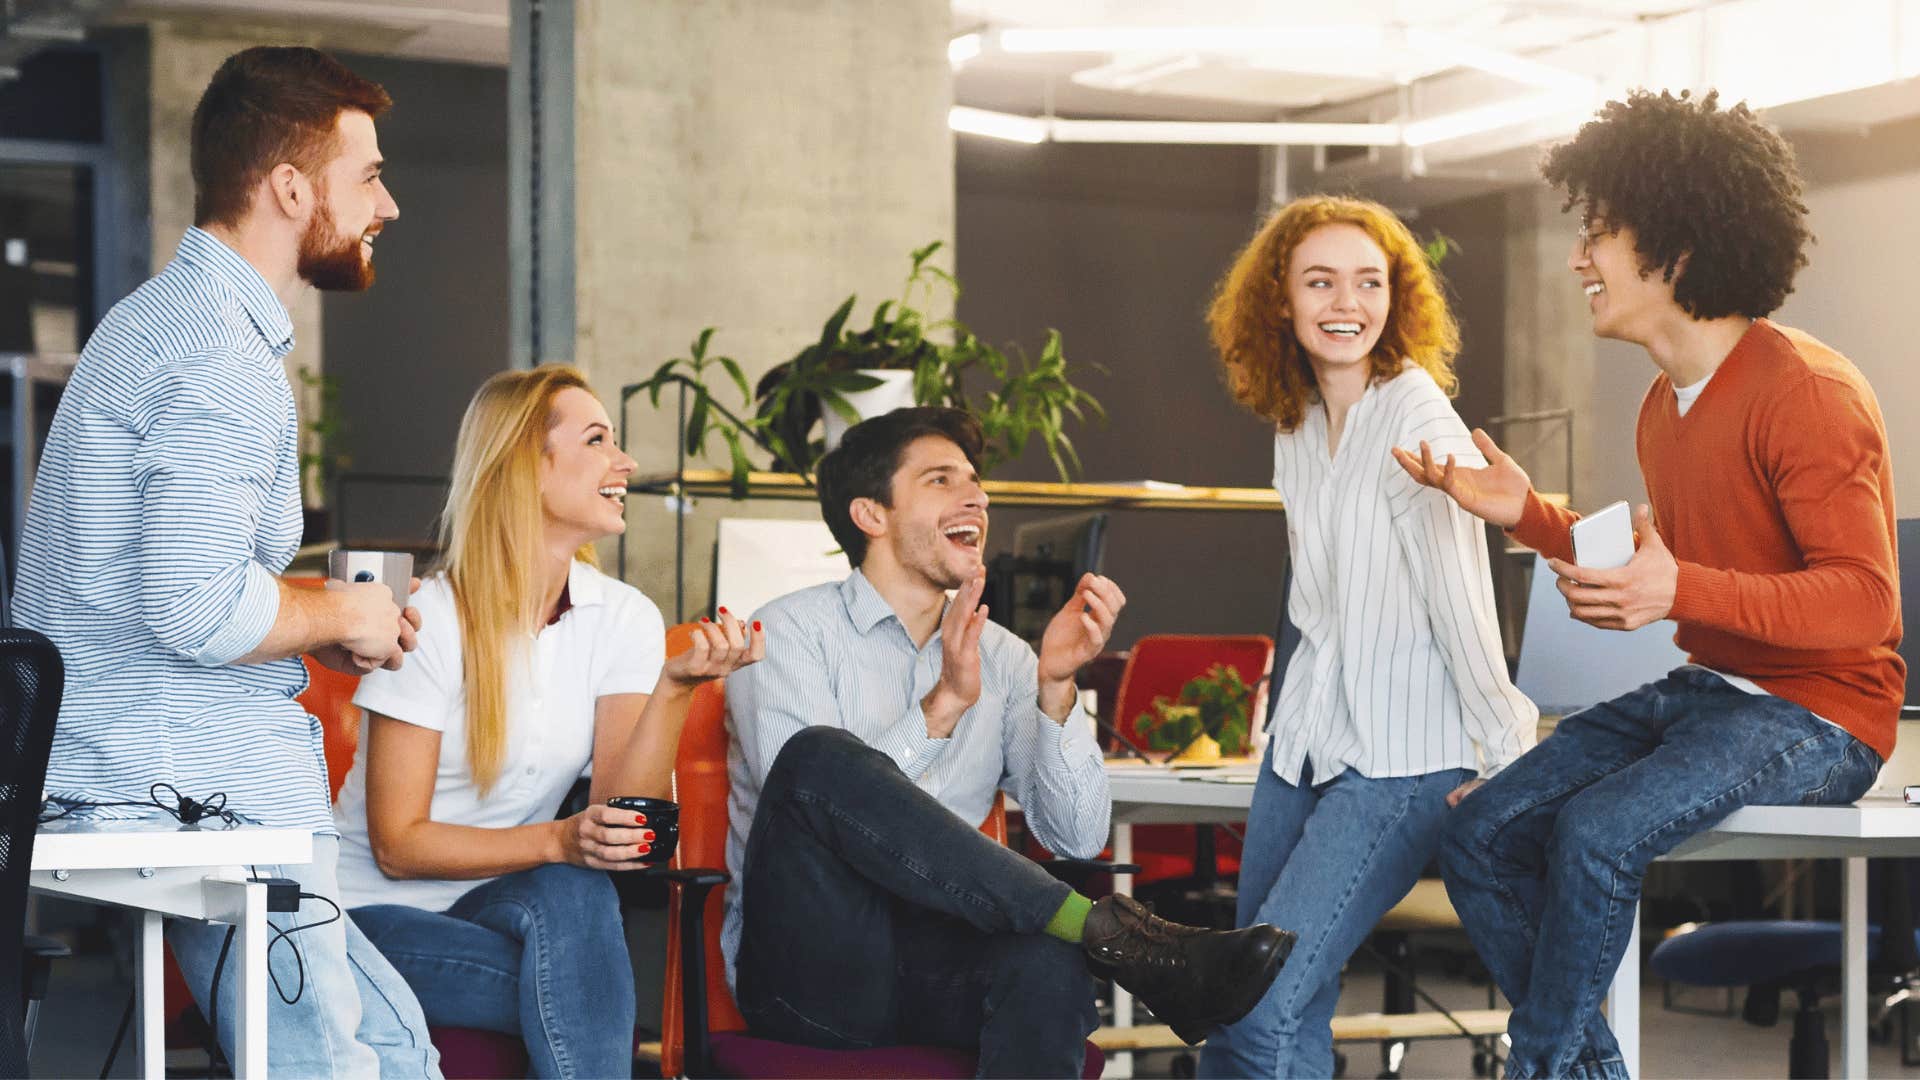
(1399, 671)
(838, 655)
(166, 502)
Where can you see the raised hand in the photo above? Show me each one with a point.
(959, 685)
(1075, 635)
(1495, 494)
(719, 649)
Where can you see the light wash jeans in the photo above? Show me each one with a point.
(354, 1017)
(539, 954)
(1545, 862)
(1325, 861)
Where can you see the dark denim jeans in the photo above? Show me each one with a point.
(1545, 862)
(872, 916)
(1325, 861)
(539, 954)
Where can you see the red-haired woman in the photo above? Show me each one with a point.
(1331, 326)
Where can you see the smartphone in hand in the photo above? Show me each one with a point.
(1603, 540)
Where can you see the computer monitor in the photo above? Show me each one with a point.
(1907, 535)
(1027, 586)
(1567, 665)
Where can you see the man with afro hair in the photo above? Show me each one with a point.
(1769, 540)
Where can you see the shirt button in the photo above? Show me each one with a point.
(531, 770)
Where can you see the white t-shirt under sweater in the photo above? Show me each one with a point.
(611, 640)
(1399, 671)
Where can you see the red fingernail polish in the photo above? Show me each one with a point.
(703, 618)
(756, 624)
(647, 836)
(723, 611)
(641, 849)
(639, 819)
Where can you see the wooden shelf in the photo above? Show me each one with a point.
(713, 483)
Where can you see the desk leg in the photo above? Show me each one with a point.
(251, 988)
(1121, 1064)
(150, 988)
(1853, 970)
(1623, 1001)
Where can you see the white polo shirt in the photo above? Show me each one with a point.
(610, 641)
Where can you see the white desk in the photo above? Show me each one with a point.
(1875, 827)
(160, 868)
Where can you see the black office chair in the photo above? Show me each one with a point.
(31, 680)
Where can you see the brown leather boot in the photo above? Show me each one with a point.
(1193, 979)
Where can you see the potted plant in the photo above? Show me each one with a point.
(1023, 398)
(320, 458)
(1211, 716)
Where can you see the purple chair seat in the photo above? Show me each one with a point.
(474, 1054)
(736, 1054)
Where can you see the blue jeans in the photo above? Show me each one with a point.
(355, 1016)
(1545, 862)
(1325, 861)
(874, 916)
(539, 954)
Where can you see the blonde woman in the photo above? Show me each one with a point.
(537, 667)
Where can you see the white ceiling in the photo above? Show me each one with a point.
(1840, 64)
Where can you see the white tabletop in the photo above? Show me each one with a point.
(77, 844)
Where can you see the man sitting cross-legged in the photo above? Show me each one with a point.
(866, 908)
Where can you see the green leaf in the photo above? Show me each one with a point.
(697, 422)
(851, 382)
(830, 334)
(700, 344)
(839, 404)
(737, 483)
(739, 377)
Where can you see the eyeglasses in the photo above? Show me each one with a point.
(1591, 229)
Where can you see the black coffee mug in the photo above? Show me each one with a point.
(663, 817)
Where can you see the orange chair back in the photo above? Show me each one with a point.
(1162, 664)
(701, 787)
(329, 697)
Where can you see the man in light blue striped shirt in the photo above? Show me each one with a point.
(166, 504)
(866, 908)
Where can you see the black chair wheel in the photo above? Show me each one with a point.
(1339, 1064)
(1183, 1067)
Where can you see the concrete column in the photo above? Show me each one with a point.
(1550, 346)
(743, 164)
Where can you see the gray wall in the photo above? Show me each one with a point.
(1119, 248)
(410, 352)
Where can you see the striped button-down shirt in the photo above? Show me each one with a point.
(1399, 671)
(838, 655)
(166, 502)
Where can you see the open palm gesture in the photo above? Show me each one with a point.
(1495, 494)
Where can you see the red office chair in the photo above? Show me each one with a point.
(1160, 664)
(702, 1031)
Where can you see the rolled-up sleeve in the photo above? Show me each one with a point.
(203, 471)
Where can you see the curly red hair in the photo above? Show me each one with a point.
(1252, 326)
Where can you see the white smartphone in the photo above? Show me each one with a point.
(1603, 539)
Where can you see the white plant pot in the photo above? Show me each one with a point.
(894, 392)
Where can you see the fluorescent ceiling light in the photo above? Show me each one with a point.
(997, 125)
(1495, 62)
(1229, 134)
(962, 49)
(1205, 39)
(1484, 118)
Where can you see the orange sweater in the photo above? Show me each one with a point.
(1775, 494)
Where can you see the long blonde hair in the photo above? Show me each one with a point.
(491, 533)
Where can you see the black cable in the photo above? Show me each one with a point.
(119, 1036)
(184, 809)
(299, 962)
(216, 1058)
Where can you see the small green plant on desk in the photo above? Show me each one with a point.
(1211, 716)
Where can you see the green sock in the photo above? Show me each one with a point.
(1070, 921)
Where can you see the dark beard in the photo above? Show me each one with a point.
(329, 262)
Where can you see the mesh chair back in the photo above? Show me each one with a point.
(31, 679)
